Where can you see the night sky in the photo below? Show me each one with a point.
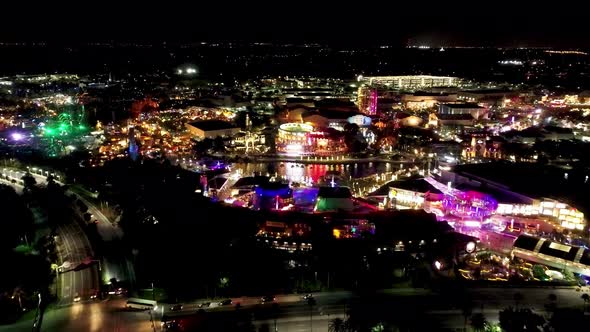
(459, 23)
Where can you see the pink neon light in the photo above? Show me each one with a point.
(472, 223)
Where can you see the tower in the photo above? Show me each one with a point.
(367, 100)
(133, 147)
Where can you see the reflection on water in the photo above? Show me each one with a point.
(313, 173)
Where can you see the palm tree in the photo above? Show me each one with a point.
(467, 310)
(337, 325)
(586, 299)
(28, 181)
(478, 321)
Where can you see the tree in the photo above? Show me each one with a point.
(337, 325)
(586, 299)
(517, 320)
(466, 309)
(203, 146)
(478, 322)
(29, 181)
(218, 144)
(353, 142)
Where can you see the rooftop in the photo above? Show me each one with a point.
(417, 185)
(461, 105)
(251, 181)
(534, 180)
(444, 117)
(209, 125)
(334, 192)
(487, 91)
(332, 114)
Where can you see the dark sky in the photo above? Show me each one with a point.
(473, 23)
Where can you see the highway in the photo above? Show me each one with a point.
(114, 265)
(295, 315)
(439, 310)
(73, 247)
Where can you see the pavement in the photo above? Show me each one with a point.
(97, 316)
(17, 187)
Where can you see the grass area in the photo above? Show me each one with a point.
(27, 316)
(30, 315)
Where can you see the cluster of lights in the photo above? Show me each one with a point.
(188, 71)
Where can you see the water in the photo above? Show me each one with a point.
(314, 173)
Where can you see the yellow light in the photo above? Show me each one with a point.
(336, 233)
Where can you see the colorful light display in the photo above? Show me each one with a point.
(66, 124)
(298, 139)
(471, 204)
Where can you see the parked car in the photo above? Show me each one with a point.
(225, 302)
(267, 298)
(176, 307)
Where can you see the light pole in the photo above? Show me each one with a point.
(153, 292)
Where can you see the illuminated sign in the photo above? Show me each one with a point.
(360, 120)
(296, 127)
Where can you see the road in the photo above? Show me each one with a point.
(440, 310)
(17, 187)
(73, 247)
(105, 316)
(295, 315)
(114, 265)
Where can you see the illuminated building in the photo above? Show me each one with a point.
(423, 100)
(477, 112)
(405, 120)
(334, 199)
(301, 139)
(409, 194)
(487, 96)
(414, 194)
(471, 204)
(563, 214)
(272, 196)
(521, 190)
(212, 128)
(352, 228)
(557, 255)
(133, 146)
(334, 119)
(412, 81)
(367, 100)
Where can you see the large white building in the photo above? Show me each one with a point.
(411, 82)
